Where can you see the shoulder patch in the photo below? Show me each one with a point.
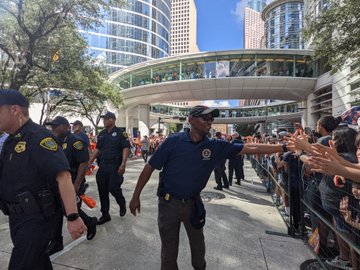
(78, 145)
(125, 134)
(49, 144)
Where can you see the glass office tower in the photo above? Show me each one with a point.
(257, 5)
(283, 24)
(136, 32)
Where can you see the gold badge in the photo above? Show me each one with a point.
(18, 135)
(64, 146)
(125, 134)
(49, 144)
(20, 147)
(78, 145)
(206, 153)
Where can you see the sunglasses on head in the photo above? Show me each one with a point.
(205, 117)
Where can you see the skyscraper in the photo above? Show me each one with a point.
(183, 27)
(253, 34)
(133, 33)
(283, 24)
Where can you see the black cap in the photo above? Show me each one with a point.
(77, 123)
(202, 110)
(108, 115)
(13, 97)
(58, 120)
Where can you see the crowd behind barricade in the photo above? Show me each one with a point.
(316, 196)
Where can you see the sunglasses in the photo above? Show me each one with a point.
(205, 117)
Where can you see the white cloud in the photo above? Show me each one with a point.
(238, 12)
(216, 103)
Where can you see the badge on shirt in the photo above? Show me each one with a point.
(114, 134)
(18, 135)
(78, 145)
(49, 144)
(64, 146)
(125, 134)
(206, 153)
(20, 147)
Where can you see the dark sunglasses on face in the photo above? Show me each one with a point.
(205, 117)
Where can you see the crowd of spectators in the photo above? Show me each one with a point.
(315, 186)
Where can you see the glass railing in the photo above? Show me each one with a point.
(259, 111)
(207, 66)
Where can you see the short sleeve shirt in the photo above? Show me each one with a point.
(31, 160)
(75, 151)
(186, 165)
(111, 144)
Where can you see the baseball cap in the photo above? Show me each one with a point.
(202, 110)
(58, 120)
(77, 122)
(13, 97)
(108, 115)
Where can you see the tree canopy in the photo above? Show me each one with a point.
(30, 32)
(335, 34)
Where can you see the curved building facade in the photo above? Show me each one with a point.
(136, 32)
(283, 24)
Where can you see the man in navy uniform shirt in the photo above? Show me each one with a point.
(33, 169)
(78, 156)
(187, 160)
(112, 151)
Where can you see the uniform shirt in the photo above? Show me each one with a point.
(187, 165)
(84, 138)
(31, 160)
(75, 151)
(145, 145)
(111, 145)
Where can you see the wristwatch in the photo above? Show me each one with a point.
(72, 217)
(284, 148)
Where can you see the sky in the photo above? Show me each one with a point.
(220, 24)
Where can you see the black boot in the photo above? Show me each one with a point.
(103, 219)
(55, 245)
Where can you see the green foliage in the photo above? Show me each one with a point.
(31, 31)
(335, 34)
(244, 129)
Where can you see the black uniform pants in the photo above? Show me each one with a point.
(57, 234)
(145, 154)
(171, 214)
(237, 165)
(30, 235)
(108, 180)
(220, 175)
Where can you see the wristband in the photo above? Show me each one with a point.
(72, 217)
(284, 148)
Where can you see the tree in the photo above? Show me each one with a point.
(244, 129)
(30, 31)
(335, 34)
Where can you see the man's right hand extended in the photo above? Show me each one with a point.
(134, 205)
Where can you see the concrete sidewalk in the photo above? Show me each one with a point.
(236, 232)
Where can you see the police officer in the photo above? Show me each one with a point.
(78, 156)
(112, 151)
(219, 171)
(32, 169)
(187, 160)
(78, 129)
(236, 163)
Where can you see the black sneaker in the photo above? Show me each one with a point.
(91, 229)
(103, 219)
(122, 211)
(218, 188)
(238, 182)
(54, 246)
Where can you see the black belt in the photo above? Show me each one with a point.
(111, 161)
(168, 197)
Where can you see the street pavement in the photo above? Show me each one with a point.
(243, 231)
